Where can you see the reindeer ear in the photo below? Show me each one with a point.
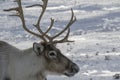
(38, 48)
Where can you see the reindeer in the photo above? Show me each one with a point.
(43, 59)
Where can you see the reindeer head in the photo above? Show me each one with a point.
(56, 62)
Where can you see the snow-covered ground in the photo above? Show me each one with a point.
(96, 33)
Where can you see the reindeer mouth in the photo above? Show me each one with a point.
(69, 74)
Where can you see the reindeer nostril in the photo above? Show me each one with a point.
(75, 68)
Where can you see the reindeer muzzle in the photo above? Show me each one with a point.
(72, 70)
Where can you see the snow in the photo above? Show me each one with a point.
(96, 34)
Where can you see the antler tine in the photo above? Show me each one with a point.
(12, 9)
(51, 25)
(34, 5)
(65, 39)
(37, 25)
(44, 34)
(72, 20)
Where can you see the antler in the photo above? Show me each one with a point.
(20, 14)
(65, 39)
(43, 35)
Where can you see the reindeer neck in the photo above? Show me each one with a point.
(36, 62)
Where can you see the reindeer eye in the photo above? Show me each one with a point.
(52, 54)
